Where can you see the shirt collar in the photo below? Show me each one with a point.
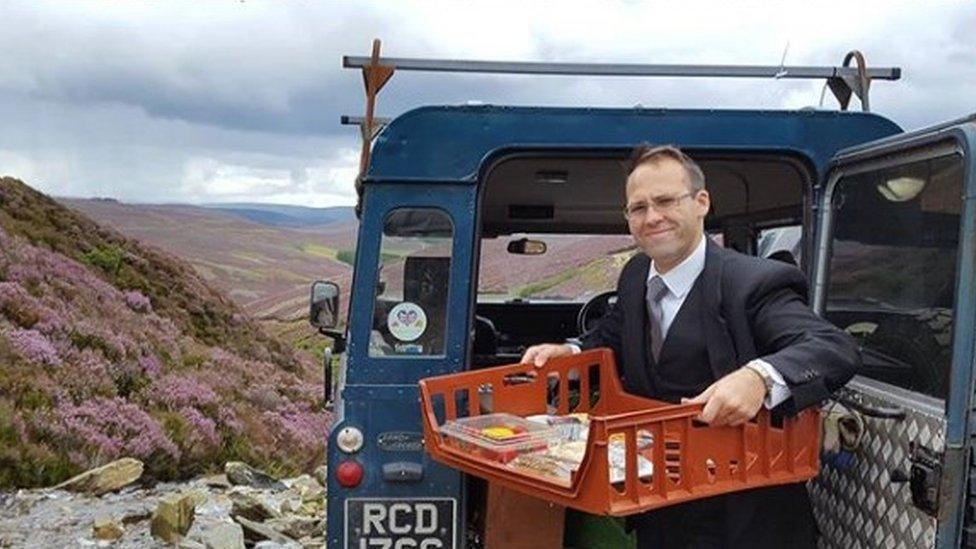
(681, 278)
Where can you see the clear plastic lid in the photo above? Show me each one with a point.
(500, 432)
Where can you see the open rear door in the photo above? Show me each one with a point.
(896, 247)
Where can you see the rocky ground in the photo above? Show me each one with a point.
(103, 508)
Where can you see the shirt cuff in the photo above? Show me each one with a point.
(574, 348)
(780, 391)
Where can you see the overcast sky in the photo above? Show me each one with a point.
(240, 101)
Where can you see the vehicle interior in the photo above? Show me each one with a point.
(546, 198)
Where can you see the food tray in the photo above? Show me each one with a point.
(689, 460)
(496, 437)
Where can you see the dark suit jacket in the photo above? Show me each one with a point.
(751, 308)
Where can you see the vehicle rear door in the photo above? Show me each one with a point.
(896, 247)
(408, 321)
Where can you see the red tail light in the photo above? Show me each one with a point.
(349, 474)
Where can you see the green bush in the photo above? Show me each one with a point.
(346, 256)
(106, 258)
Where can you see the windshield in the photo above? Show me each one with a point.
(573, 268)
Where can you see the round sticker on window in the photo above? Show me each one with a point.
(407, 321)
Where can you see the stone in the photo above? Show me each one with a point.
(199, 497)
(190, 544)
(289, 506)
(137, 516)
(216, 481)
(107, 478)
(313, 543)
(242, 474)
(173, 517)
(277, 545)
(296, 527)
(107, 528)
(321, 474)
(308, 488)
(303, 481)
(249, 506)
(312, 508)
(256, 531)
(226, 535)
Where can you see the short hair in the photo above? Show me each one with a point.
(645, 153)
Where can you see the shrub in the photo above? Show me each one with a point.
(18, 305)
(137, 301)
(346, 256)
(107, 258)
(101, 429)
(33, 346)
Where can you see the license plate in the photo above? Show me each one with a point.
(427, 523)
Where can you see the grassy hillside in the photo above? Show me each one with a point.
(110, 347)
(264, 268)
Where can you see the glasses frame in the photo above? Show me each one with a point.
(654, 204)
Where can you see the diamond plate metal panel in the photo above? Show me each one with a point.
(860, 508)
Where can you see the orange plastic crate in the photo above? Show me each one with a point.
(690, 460)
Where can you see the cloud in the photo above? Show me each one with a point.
(184, 101)
(326, 184)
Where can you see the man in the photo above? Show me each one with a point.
(698, 323)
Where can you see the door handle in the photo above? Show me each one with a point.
(898, 476)
(896, 413)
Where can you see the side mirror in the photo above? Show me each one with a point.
(323, 311)
(524, 246)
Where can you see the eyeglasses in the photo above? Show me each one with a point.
(660, 204)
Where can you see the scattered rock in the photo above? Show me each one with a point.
(190, 544)
(256, 531)
(226, 535)
(173, 517)
(308, 488)
(313, 543)
(250, 507)
(312, 508)
(107, 528)
(216, 481)
(290, 506)
(107, 478)
(296, 527)
(199, 497)
(242, 474)
(321, 474)
(140, 516)
(277, 545)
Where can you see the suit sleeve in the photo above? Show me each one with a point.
(813, 356)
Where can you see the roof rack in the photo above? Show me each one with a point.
(843, 81)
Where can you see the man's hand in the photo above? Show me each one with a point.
(539, 354)
(732, 400)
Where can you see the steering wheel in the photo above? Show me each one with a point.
(593, 310)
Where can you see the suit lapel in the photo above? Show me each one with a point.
(721, 350)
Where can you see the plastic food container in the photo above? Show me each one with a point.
(496, 437)
(639, 454)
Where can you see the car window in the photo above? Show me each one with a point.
(892, 267)
(412, 287)
(574, 267)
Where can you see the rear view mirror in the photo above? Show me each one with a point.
(323, 310)
(524, 246)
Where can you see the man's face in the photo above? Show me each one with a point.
(670, 232)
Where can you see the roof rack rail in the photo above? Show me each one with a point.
(843, 80)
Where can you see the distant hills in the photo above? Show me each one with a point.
(111, 347)
(263, 257)
(277, 215)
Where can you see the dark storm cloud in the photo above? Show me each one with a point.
(207, 101)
